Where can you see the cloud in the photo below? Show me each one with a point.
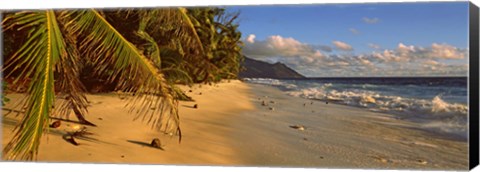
(250, 38)
(278, 46)
(430, 62)
(342, 46)
(354, 31)
(370, 20)
(335, 65)
(374, 46)
(402, 60)
(437, 68)
(446, 51)
(332, 65)
(366, 62)
(415, 53)
(402, 48)
(387, 56)
(410, 60)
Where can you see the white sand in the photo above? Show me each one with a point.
(231, 127)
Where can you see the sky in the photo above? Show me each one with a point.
(371, 39)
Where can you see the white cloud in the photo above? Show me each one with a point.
(387, 56)
(432, 65)
(402, 60)
(366, 62)
(410, 60)
(278, 46)
(342, 46)
(415, 53)
(404, 49)
(445, 51)
(370, 20)
(366, 65)
(280, 43)
(251, 38)
(430, 62)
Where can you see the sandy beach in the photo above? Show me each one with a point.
(231, 127)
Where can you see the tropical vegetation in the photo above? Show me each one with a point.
(144, 53)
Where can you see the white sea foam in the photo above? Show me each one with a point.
(432, 113)
(272, 82)
(372, 99)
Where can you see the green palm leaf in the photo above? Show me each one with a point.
(39, 55)
(136, 72)
(189, 25)
(69, 74)
(173, 74)
(185, 29)
(153, 50)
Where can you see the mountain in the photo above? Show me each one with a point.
(259, 69)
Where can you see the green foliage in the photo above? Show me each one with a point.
(143, 52)
(40, 54)
(221, 39)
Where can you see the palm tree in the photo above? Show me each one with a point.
(164, 47)
(228, 55)
(52, 52)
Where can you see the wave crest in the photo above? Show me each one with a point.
(434, 113)
(377, 101)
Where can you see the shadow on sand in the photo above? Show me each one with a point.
(193, 106)
(144, 144)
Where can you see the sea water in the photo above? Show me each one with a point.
(438, 104)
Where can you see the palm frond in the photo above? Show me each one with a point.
(182, 28)
(175, 74)
(136, 72)
(153, 51)
(180, 94)
(172, 24)
(171, 57)
(189, 25)
(40, 54)
(69, 74)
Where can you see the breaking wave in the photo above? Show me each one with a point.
(433, 113)
(271, 82)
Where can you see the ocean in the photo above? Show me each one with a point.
(437, 104)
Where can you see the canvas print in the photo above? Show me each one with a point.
(363, 86)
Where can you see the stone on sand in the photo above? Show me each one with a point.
(55, 124)
(156, 143)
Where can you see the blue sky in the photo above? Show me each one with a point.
(375, 39)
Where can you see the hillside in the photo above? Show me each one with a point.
(259, 69)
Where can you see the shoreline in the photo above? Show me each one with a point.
(358, 138)
(434, 132)
(231, 127)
